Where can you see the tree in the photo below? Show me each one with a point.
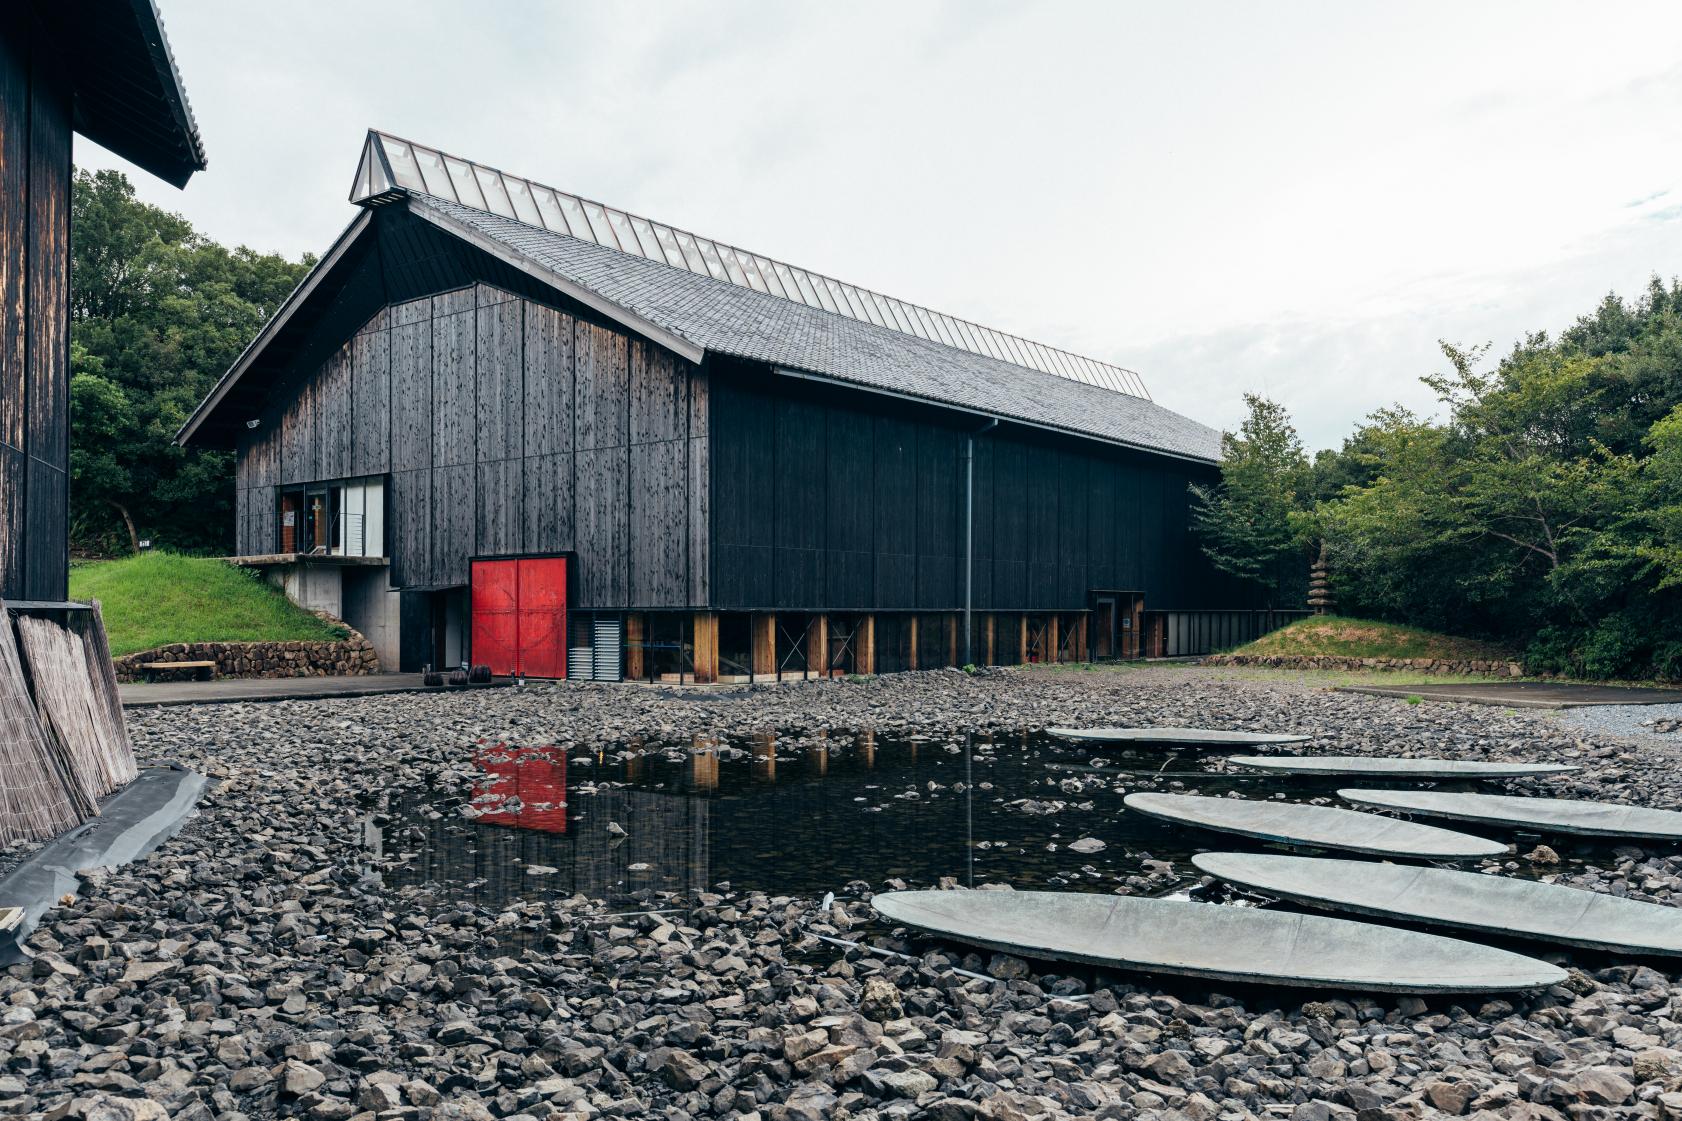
(158, 312)
(1250, 522)
(1542, 507)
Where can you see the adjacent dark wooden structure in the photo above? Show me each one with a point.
(100, 67)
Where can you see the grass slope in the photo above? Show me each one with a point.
(1333, 636)
(158, 598)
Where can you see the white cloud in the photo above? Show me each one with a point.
(1297, 199)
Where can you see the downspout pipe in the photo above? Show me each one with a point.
(969, 538)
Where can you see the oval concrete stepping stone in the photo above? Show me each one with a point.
(1221, 943)
(1466, 900)
(1558, 815)
(1320, 826)
(1175, 737)
(1368, 767)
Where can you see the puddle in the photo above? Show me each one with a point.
(804, 815)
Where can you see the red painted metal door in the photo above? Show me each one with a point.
(495, 604)
(519, 616)
(543, 616)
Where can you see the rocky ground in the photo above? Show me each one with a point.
(250, 968)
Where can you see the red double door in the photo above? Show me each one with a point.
(520, 616)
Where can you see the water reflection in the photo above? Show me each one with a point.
(801, 816)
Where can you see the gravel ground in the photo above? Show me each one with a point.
(1662, 722)
(250, 969)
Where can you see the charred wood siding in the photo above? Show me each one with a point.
(826, 500)
(35, 125)
(503, 426)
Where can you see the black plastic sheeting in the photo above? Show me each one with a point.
(131, 824)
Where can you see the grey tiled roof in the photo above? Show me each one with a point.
(745, 323)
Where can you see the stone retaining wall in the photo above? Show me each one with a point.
(1464, 668)
(352, 656)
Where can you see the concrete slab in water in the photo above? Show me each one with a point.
(1222, 943)
(131, 823)
(1554, 815)
(1176, 737)
(1525, 694)
(1319, 826)
(1367, 766)
(1465, 900)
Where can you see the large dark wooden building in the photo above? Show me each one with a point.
(101, 68)
(502, 423)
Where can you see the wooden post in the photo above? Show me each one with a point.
(951, 640)
(911, 662)
(636, 628)
(706, 648)
(1022, 640)
(1052, 647)
(864, 646)
(1080, 641)
(817, 645)
(988, 634)
(764, 630)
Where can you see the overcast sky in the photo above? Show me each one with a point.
(1297, 199)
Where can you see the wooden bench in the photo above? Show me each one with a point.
(202, 671)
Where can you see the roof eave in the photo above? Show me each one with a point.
(989, 414)
(625, 317)
(276, 323)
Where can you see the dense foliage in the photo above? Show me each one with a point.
(1249, 523)
(158, 312)
(1541, 508)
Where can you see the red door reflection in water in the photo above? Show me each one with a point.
(522, 787)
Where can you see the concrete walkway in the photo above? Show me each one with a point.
(1525, 694)
(229, 690)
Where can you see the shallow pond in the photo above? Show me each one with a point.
(803, 815)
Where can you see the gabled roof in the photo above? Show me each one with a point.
(723, 318)
(128, 92)
(694, 310)
(391, 165)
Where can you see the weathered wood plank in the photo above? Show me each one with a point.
(371, 376)
(546, 504)
(548, 382)
(501, 381)
(603, 532)
(659, 516)
(659, 401)
(700, 521)
(601, 388)
(409, 535)
(453, 389)
(411, 394)
(498, 520)
(334, 389)
(452, 523)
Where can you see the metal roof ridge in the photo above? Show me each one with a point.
(420, 168)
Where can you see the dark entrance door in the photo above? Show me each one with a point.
(1104, 628)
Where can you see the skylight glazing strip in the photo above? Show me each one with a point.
(622, 231)
(669, 245)
(525, 207)
(773, 283)
(403, 166)
(496, 196)
(465, 183)
(416, 168)
(433, 173)
(550, 208)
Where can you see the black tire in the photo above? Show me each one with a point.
(479, 675)
(458, 678)
(433, 679)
